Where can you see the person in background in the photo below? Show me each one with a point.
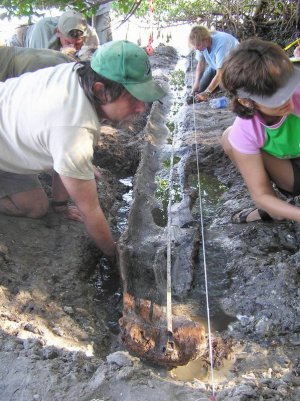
(50, 120)
(211, 50)
(297, 52)
(67, 33)
(15, 61)
(264, 140)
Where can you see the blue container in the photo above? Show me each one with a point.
(219, 103)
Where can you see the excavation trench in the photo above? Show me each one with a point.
(168, 170)
(61, 309)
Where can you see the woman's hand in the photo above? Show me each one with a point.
(202, 97)
(297, 51)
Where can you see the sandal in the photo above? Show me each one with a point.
(241, 216)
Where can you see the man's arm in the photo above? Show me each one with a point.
(42, 35)
(84, 195)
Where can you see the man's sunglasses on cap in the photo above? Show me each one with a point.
(75, 34)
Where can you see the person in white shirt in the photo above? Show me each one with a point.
(49, 119)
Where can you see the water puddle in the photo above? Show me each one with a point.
(196, 370)
(211, 192)
(123, 210)
(163, 194)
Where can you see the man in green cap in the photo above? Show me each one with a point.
(50, 120)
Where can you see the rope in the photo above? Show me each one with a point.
(169, 247)
(203, 250)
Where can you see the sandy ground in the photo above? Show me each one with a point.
(60, 301)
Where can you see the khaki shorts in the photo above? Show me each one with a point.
(11, 183)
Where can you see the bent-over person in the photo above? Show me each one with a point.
(50, 120)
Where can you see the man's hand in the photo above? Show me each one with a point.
(69, 51)
(84, 195)
(70, 212)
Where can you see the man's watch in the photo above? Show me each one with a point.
(208, 91)
(59, 203)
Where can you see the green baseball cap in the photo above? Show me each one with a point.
(128, 64)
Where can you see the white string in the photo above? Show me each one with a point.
(169, 239)
(203, 247)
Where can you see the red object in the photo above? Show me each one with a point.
(149, 48)
(151, 6)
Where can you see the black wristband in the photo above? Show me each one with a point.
(59, 203)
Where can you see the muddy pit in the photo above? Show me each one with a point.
(65, 313)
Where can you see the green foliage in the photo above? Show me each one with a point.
(177, 80)
(243, 18)
(29, 8)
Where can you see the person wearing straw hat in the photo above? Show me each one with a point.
(50, 120)
(70, 30)
(264, 140)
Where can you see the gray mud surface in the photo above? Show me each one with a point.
(60, 301)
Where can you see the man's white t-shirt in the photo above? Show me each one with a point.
(46, 121)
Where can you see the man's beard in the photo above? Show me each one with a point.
(129, 125)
